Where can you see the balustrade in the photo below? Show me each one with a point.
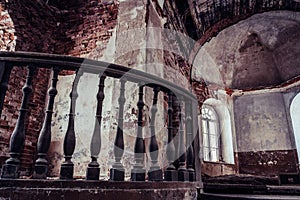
(67, 167)
(93, 170)
(138, 171)
(155, 173)
(182, 152)
(117, 172)
(171, 172)
(44, 140)
(189, 141)
(182, 171)
(12, 165)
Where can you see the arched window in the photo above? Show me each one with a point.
(211, 134)
(295, 116)
(215, 123)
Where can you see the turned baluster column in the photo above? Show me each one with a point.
(11, 167)
(117, 170)
(183, 175)
(189, 141)
(175, 125)
(138, 172)
(155, 173)
(170, 173)
(67, 167)
(196, 141)
(93, 170)
(44, 140)
(4, 77)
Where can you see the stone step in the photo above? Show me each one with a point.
(86, 190)
(209, 196)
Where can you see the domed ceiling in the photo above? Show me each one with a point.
(261, 51)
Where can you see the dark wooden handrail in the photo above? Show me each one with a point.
(44, 60)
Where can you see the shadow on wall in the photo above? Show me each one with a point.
(40, 27)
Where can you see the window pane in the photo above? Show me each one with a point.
(214, 155)
(205, 113)
(214, 143)
(211, 134)
(204, 126)
(205, 140)
(213, 128)
(206, 154)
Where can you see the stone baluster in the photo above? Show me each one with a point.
(189, 141)
(5, 70)
(183, 175)
(117, 170)
(44, 140)
(11, 167)
(196, 142)
(175, 125)
(138, 172)
(155, 173)
(67, 167)
(93, 170)
(170, 173)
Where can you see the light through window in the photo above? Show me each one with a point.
(211, 135)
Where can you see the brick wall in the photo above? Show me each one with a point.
(25, 29)
(88, 28)
(78, 30)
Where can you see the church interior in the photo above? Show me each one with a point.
(150, 99)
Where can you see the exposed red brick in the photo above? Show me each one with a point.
(80, 30)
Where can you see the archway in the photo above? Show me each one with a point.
(295, 116)
(224, 128)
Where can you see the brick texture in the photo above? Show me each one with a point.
(81, 29)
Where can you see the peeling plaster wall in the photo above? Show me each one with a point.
(126, 46)
(84, 123)
(265, 133)
(177, 46)
(261, 123)
(246, 57)
(7, 32)
(99, 45)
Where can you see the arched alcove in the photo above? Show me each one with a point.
(224, 127)
(295, 116)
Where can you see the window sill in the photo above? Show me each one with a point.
(219, 163)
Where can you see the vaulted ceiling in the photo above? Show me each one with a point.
(261, 51)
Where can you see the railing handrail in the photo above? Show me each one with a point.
(33, 61)
(92, 66)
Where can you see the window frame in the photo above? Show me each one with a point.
(209, 117)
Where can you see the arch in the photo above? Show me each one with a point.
(223, 119)
(7, 31)
(295, 116)
(246, 44)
